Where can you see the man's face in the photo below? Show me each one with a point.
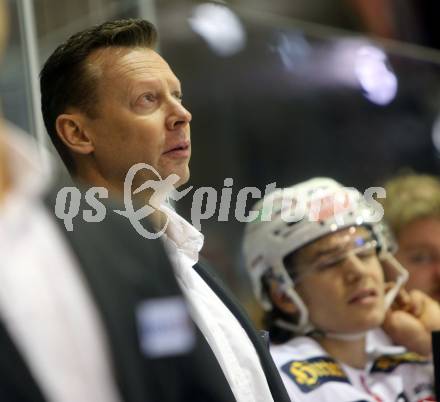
(419, 253)
(140, 115)
(343, 295)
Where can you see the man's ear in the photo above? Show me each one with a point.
(71, 130)
(280, 299)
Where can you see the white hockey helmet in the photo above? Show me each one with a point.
(291, 218)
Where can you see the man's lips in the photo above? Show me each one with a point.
(363, 296)
(181, 149)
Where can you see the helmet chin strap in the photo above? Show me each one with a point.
(305, 326)
(400, 281)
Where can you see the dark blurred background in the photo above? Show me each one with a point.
(280, 91)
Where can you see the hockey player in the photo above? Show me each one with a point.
(321, 264)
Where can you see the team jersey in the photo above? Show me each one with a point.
(391, 375)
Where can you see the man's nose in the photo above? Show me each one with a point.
(178, 117)
(354, 268)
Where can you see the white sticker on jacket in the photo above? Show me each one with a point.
(165, 327)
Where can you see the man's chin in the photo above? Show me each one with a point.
(184, 178)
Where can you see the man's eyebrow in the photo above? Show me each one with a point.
(175, 82)
(154, 81)
(336, 248)
(326, 251)
(418, 246)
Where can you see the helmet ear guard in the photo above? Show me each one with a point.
(394, 271)
(287, 286)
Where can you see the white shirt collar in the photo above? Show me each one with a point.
(379, 343)
(184, 236)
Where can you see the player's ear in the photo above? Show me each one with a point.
(280, 299)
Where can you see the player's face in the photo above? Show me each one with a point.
(140, 115)
(419, 253)
(343, 295)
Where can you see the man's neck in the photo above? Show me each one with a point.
(91, 178)
(352, 353)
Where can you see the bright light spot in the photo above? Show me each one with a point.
(374, 75)
(359, 220)
(219, 27)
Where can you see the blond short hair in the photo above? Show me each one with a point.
(411, 197)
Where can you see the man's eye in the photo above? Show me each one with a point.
(149, 97)
(329, 264)
(369, 252)
(421, 258)
(178, 96)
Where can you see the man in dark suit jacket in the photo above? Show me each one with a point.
(129, 283)
(90, 315)
(109, 103)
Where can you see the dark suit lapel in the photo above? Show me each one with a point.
(16, 381)
(273, 378)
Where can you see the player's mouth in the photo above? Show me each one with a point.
(180, 150)
(363, 296)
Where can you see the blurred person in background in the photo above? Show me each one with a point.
(110, 101)
(412, 209)
(81, 318)
(328, 282)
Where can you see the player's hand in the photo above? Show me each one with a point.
(411, 319)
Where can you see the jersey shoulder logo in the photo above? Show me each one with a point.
(312, 373)
(387, 363)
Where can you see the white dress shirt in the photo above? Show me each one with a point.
(226, 337)
(44, 302)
